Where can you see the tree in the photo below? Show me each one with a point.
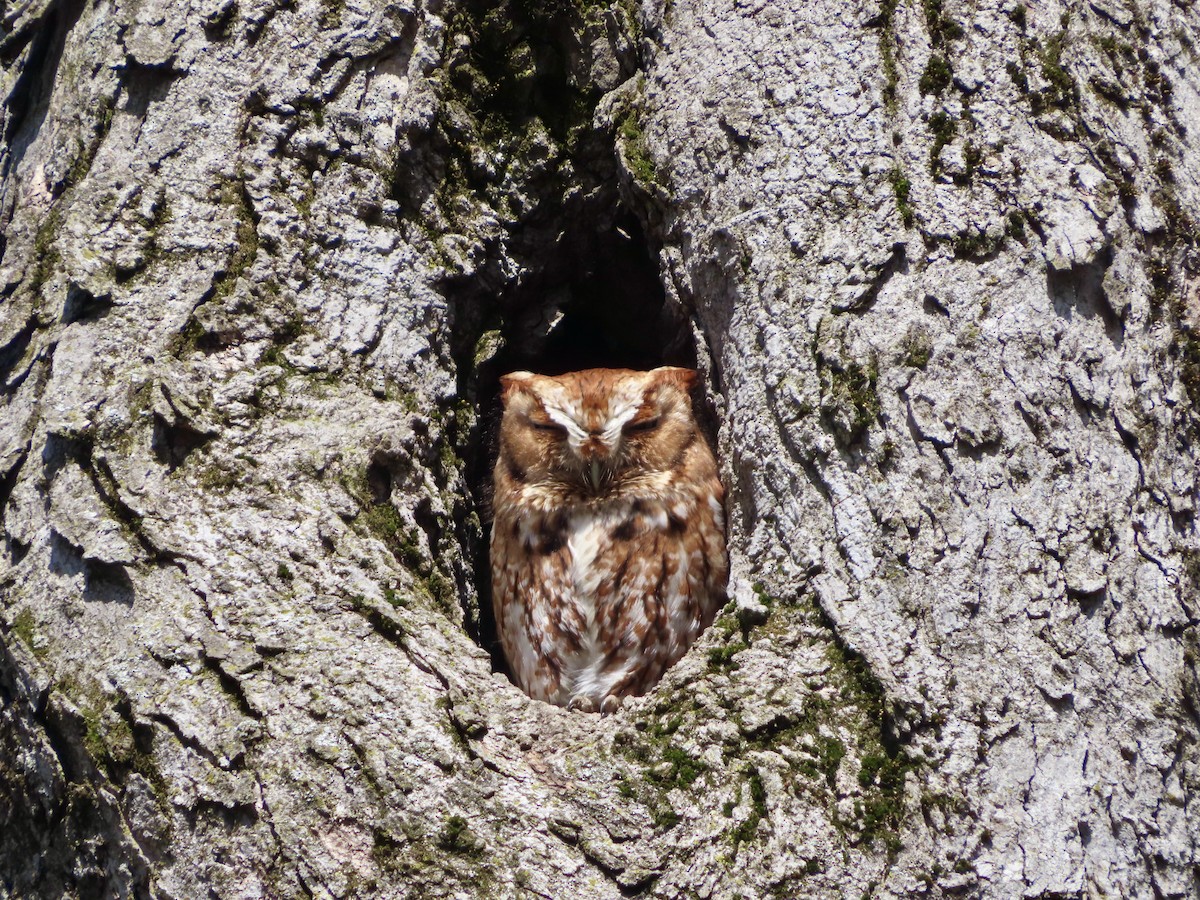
(262, 266)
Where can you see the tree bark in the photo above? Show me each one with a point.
(262, 264)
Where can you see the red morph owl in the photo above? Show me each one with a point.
(608, 543)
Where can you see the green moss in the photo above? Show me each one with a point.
(1063, 91)
(1163, 268)
(1017, 14)
(45, 252)
(1015, 227)
(1121, 54)
(626, 787)
(453, 857)
(97, 735)
(830, 753)
(188, 339)
(843, 723)
(849, 728)
(684, 768)
(81, 166)
(283, 336)
(24, 627)
(245, 249)
(111, 742)
(635, 32)
(385, 523)
(722, 657)
(941, 28)
(507, 98)
(664, 816)
(917, 349)
(902, 188)
(641, 163)
(331, 13)
(943, 127)
(219, 476)
(1158, 86)
(383, 520)
(110, 493)
(283, 573)
(884, 764)
(86, 151)
(153, 252)
(870, 767)
(308, 195)
(848, 395)
(887, 53)
(457, 837)
(972, 157)
(664, 765)
(489, 344)
(441, 589)
(748, 828)
(1018, 76)
(976, 245)
(936, 77)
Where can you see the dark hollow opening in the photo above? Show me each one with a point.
(593, 301)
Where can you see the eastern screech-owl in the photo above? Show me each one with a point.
(608, 543)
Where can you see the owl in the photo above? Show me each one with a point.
(608, 539)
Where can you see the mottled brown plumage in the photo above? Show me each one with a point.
(608, 544)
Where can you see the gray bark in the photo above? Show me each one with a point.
(262, 264)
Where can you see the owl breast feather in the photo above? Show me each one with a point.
(616, 595)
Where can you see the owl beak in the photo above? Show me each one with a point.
(595, 473)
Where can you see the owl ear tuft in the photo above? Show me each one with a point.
(685, 378)
(513, 382)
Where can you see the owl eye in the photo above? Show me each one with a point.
(548, 427)
(642, 426)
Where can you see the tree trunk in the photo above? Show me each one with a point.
(262, 265)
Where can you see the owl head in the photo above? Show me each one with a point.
(596, 430)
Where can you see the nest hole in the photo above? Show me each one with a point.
(593, 300)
